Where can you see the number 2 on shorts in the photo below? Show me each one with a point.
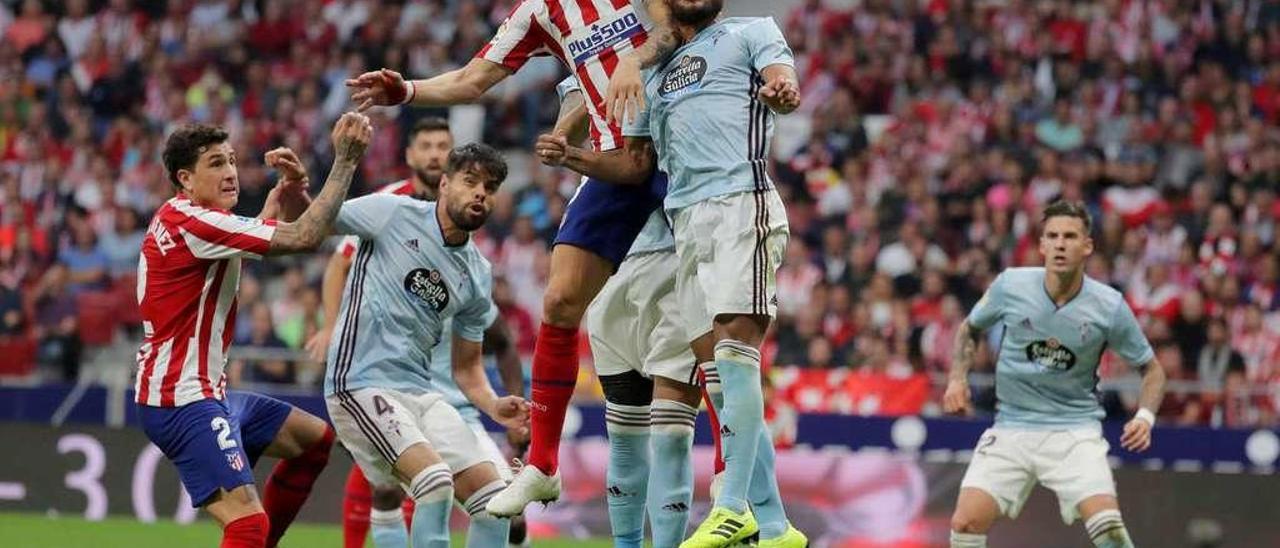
(223, 428)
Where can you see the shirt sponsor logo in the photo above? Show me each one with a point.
(428, 286)
(1051, 354)
(602, 36)
(686, 77)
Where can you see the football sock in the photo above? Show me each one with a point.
(555, 373)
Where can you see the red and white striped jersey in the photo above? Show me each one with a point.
(586, 35)
(188, 276)
(404, 188)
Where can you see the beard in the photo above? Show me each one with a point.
(698, 15)
(431, 177)
(464, 219)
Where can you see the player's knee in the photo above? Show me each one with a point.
(630, 388)
(964, 522)
(387, 497)
(563, 306)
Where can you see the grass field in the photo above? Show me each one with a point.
(33, 531)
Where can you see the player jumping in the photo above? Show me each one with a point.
(1056, 322)
(707, 123)
(595, 39)
(188, 275)
(416, 275)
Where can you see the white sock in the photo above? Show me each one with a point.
(968, 540)
(1106, 530)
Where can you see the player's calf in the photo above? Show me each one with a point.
(1103, 522)
(975, 512)
(628, 397)
(486, 530)
(305, 442)
(244, 524)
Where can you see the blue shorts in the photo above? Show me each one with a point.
(214, 443)
(605, 218)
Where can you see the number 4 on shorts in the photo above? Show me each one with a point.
(381, 406)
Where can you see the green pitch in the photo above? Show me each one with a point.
(33, 531)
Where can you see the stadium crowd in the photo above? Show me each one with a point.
(930, 134)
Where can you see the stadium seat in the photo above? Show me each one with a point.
(17, 356)
(99, 316)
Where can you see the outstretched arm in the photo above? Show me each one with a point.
(1137, 432)
(387, 87)
(468, 372)
(626, 89)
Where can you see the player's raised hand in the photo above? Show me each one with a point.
(781, 93)
(956, 400)
(625, 96)
(1136, 436)
(286, 161)
(383, 88)
(351, 136)
(512, 412)
(552, 148)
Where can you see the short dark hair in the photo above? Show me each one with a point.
(182, 149)
(1064, 208)
(477, 156)
(428, 124)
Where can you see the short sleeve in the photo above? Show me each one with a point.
(765, 44)
(367, 215)
(518, 39)
(567, 86)
(473, 319)
(1126, 338)
(218, 234)
(989, 308)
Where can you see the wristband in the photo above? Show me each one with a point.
(410, 91)
(1146, 415)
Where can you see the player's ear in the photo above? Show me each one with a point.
(184, 179)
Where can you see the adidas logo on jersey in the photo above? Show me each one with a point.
(413, 244)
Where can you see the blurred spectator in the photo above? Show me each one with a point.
(262, 335)
(523, 329)
(123, 243)
(56, 327)
(86, 263)
(12, 320)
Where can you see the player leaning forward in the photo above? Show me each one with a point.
(415, 271)
(707, 124)
(1056, 321)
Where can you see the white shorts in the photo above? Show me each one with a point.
(377, 425)
(730, 248)
(634, 323)
(1008, 462)
(490, 450)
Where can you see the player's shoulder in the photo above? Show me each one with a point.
(1107, 295)
(741, 25)
(1022, 275)
(404, 187)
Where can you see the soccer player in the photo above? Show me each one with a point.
(430, 142)
(1056, 321)
(422, 277)
(707, 124)
(188, 275)
(647, 370)
(595, 39)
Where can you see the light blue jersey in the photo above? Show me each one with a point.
(1047, 370)
(709, 129)
(405, 287)
(656, 234)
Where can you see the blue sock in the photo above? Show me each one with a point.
(388, 528)
(766, 502)
(671, 486)
(742, 420)
(714, 389)
(486, 530)
(628, 471)
(432, 491)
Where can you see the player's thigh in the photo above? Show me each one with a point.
(665, 388)
(203, 441)
(692, 251)
(490, 449)
(1001, 468)
(449, 435)
(1073, 464)
(661, 327)
(610, 326)
(272, 427)
(377, 427)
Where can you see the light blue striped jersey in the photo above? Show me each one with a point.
(709, 129)
(405, 286)
(1047, 370)
(656, 234)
